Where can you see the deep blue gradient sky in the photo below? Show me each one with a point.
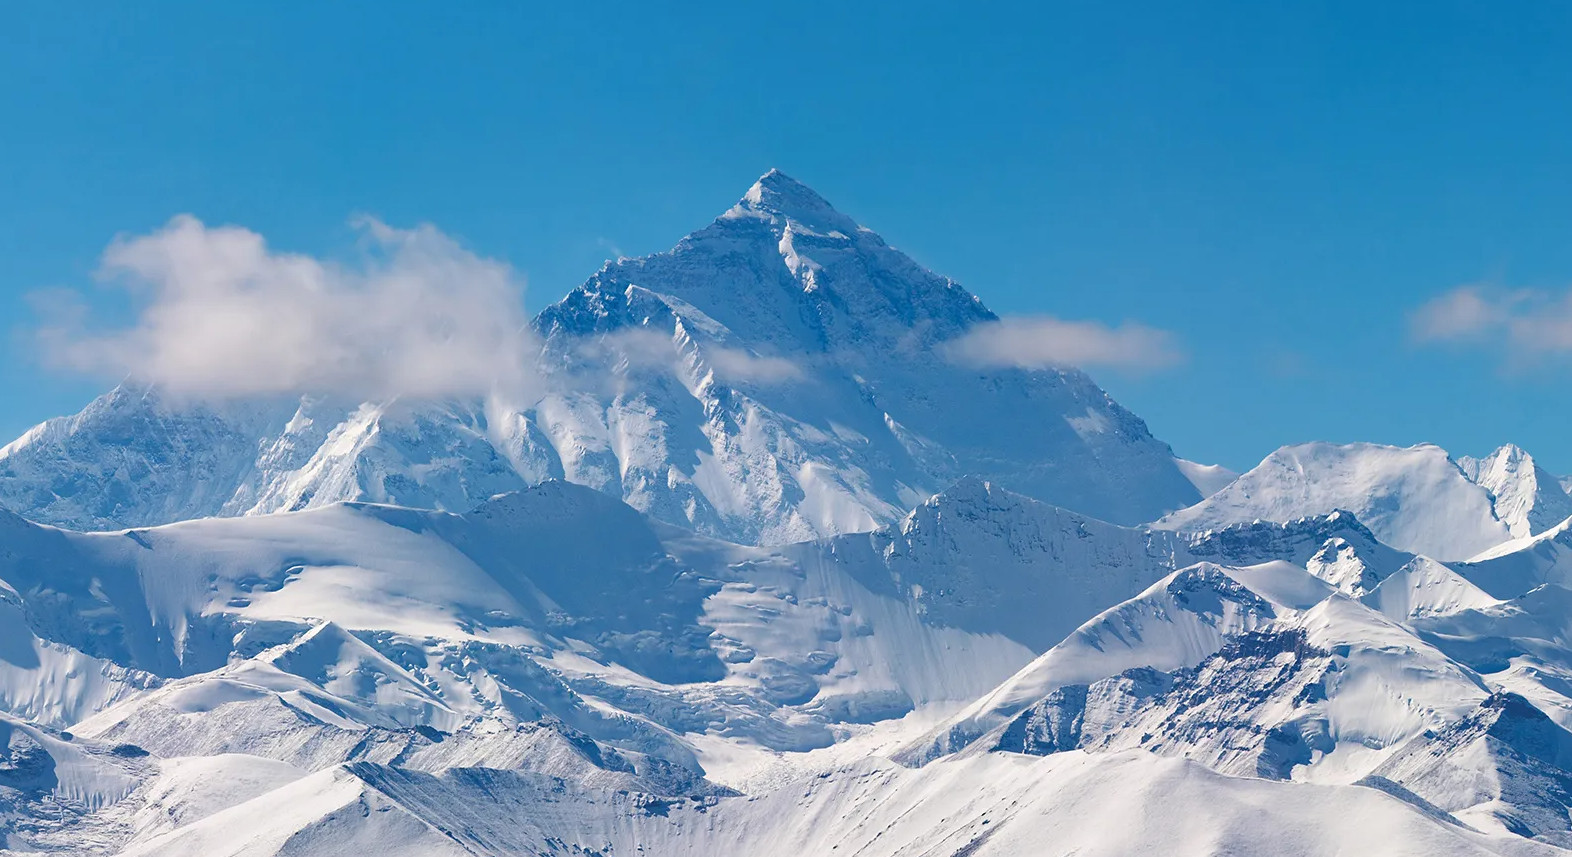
(1280, 187)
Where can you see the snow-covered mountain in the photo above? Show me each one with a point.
(761, 571)
(776, 376)
(1416, 499)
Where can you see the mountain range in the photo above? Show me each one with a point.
(774, 377)
(764, 570)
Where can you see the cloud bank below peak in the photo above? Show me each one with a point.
(219, 313)
(1045, 342)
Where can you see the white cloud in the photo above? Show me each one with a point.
(1466, 312)
(610, 246)
(642, 348)
(1041, 342)
(1523, 324)
(219, 313)
(735, 365)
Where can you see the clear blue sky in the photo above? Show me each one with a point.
(1279, 186)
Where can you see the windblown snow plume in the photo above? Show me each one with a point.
(220, 314)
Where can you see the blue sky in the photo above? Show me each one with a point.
(1281, 189)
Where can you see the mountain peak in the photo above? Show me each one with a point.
(779, 196)
(1526, 498)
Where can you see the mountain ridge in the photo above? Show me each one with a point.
(1414, 498)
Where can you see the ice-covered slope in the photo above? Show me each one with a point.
(1411, 753)
(1415, 499)
(1177, 622)
(558, 600)
(775, 377)
(987, 560)
(1334, 547)
(1424, 685)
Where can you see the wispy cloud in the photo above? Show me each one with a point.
(648, 349)
(611, 247)
(222, 314)
(735, 365)
(1522, 325)
(1041, 342)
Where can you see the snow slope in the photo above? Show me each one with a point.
(1515, 567)
(1125, 804)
